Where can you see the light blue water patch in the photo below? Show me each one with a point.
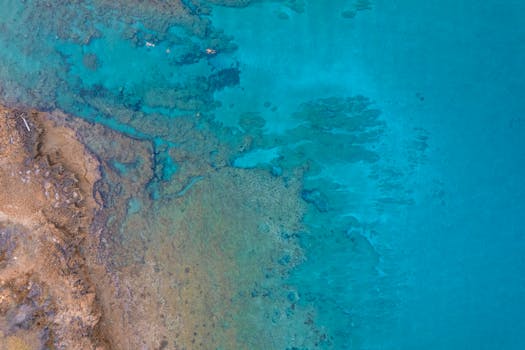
(288, 61)
(258, 157)
(134, 206)
(123, 64)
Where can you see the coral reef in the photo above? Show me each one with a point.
(177, 33)
(194, 261)
(99, 249)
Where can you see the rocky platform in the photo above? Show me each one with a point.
(47, 178)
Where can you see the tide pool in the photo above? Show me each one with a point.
(296, 174)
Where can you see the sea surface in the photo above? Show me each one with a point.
(344, 174)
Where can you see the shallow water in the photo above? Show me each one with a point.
(343, 177)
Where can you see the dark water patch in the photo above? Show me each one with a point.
(316, 198)
(224, 78)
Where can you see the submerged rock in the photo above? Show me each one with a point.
(316, 198)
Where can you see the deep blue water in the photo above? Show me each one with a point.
(453, 69)
(413, 236)
(463, 240)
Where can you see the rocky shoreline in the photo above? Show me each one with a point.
(47, 205)
(90, 260)
(66, 282)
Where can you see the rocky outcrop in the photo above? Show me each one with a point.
(47, 204)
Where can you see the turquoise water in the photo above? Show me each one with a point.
(404, 123)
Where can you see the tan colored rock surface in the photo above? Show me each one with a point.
(47, 299)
